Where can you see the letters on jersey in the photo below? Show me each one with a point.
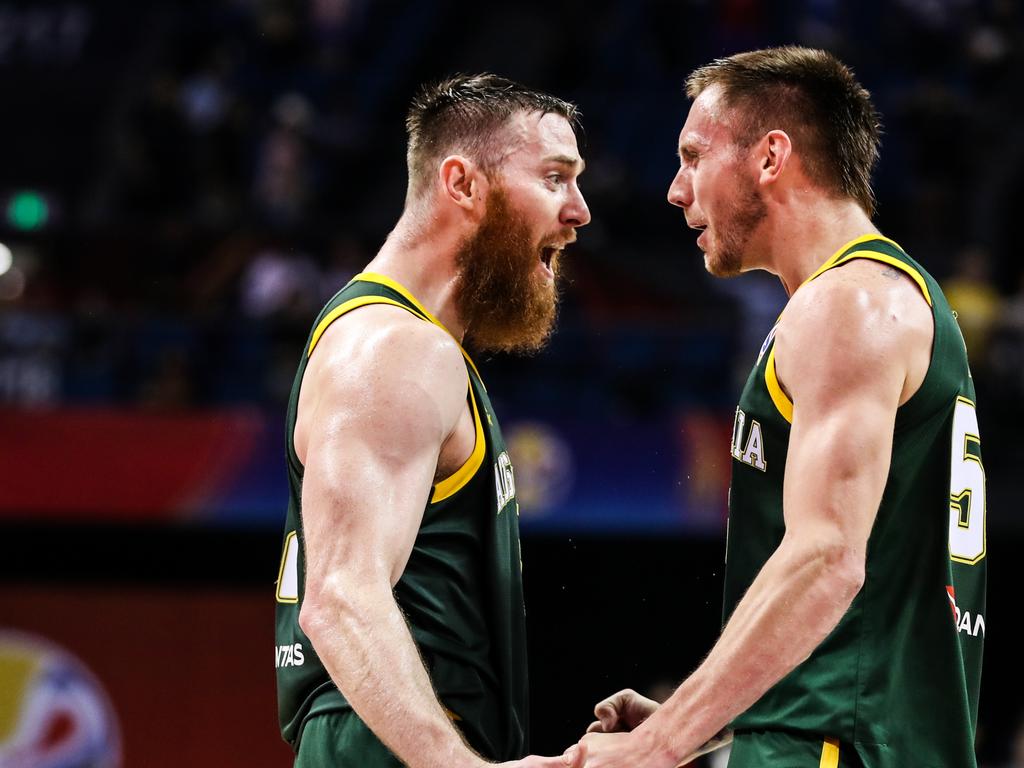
(504, 480)
(288, 655)
(748, 446)
(964, 621)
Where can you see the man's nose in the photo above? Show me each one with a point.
(576, 213)
(680, 191)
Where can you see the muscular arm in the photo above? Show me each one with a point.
(382, 400)
(843, 350)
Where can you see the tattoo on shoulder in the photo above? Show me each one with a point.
(892, 273)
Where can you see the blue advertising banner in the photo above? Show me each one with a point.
(227, 468)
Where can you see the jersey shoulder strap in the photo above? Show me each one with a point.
(877, 248)
(361, 292)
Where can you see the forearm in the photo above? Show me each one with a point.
(713, 745)
(370, 654)
(796, 600)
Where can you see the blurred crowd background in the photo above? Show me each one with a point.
(184, 184)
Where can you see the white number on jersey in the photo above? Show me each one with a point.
(288, 575)
(966, 487)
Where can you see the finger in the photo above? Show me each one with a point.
(607, 714)
(596, 727)
(616, 701)
(575, 756)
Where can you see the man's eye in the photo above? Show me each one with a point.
(554, 178)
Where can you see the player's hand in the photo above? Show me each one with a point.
(574, 757)
(625, 750)
(622, 711)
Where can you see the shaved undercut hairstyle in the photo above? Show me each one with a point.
(814, 98)
(468, 115)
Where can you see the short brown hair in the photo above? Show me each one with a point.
(465, 113)
(813, 97)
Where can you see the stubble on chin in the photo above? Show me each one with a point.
(726, 256)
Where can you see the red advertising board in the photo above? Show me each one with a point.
(188, 673)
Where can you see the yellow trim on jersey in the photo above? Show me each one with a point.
(834, 258)
(348, 306)
(782, 402)
(397, 287)
(280, 573)
(829, 754)
(455, 482)
(373, 277)
(876, 256)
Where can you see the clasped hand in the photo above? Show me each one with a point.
(611, 742)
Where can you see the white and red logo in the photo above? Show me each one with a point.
(973, 625)
(54, 712)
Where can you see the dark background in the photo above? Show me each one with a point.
(183, 184)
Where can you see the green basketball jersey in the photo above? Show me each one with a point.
(461, 591)
(898, 678)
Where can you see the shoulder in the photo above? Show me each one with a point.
(384, 338)
(864, 301)
(384, 358)
(860, 320)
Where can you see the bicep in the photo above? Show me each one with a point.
(373, 445)
(361, 503)
(845, 374)
(837, 465)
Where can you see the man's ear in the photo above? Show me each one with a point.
(460, 181)
(774, 152)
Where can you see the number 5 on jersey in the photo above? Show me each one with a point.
(966, 487)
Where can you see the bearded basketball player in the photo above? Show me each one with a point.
(400, 621)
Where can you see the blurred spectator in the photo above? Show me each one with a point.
(33, 344)
(975, 300)
(282, 285)
(282, 184)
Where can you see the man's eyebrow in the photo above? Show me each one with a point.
(567, 160)
(691, 144)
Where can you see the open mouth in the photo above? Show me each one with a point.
(547, 254)
(702, 229)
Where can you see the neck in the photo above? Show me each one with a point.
(420, 253)
(809, 233)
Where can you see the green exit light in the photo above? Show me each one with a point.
(27, 210)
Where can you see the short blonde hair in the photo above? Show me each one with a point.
(813, 97)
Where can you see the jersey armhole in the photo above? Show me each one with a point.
(458, 479)
(771, 379)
